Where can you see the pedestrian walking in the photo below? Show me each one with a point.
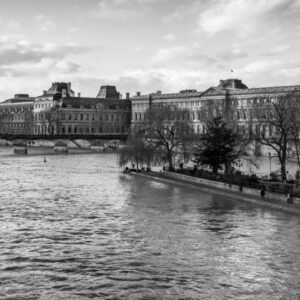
(289, 198)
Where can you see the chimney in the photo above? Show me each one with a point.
(79, 95)
(69, 85)
(158, 93)
(138, 94)
(63, 93)
(127, 96)
(44, 93)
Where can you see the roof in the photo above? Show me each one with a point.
(218, 91)
(87, 102)
(18, 100)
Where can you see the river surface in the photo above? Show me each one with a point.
(73, 227)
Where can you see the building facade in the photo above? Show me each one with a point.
(239, 105)
(59, 111)
(16, 115)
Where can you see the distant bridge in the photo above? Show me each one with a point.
(121, 136)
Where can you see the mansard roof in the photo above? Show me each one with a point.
(231, 86)
(268, 90)
(77, 102)
(58, 87)
(19, 98)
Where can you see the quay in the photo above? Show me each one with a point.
(271, 200)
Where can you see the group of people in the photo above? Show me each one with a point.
(289, 196)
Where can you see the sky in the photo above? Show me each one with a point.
(147, 45)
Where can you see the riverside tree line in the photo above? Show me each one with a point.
(165, 134)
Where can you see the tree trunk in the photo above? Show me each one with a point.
(215, 170)
(296, 141)
(282, 160)
(170, 160)
(227, 168)
(283, 172)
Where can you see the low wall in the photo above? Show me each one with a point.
(271, 200)
(226, 186)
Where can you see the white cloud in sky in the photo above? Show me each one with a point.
(13, 25)
(261, 66)
(149, 45)
(241, 16)
(168, 54)
(45, 23)
(169, 37)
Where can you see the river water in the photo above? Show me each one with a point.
(73, 227)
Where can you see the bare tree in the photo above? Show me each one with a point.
(295, 120)
(276, 127)
(167, 131)
(136, 152)
(49, 119)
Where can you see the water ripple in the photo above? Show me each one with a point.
(74, 229)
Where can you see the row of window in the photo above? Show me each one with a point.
(15, 109)
(251, 101)
(200, 103)
(43, 105)
(91, 117)
(178, 103)
(41, 129)
(251, 113)
(19, 125)
(194, 116)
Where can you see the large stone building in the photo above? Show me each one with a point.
(16, 115)
(242, 106)
(59, 111)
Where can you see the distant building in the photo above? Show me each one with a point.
(16, 115)
(108, 92)
(59, 111)
(232, 99)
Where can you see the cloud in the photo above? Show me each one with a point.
(13, 25)
(280, 49)
(74, 29)
(168, 54)
(167, 80)
(231, 55)
(22, 58)
(244, 16)
(262, 66)
(189, 56)
(14, 52)
(113, 10)
(123, 9)
(45, 23)
(41, 68)
(169, 37)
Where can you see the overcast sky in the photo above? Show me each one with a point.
(147, 45)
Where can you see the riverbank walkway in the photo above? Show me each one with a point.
(271, 200)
